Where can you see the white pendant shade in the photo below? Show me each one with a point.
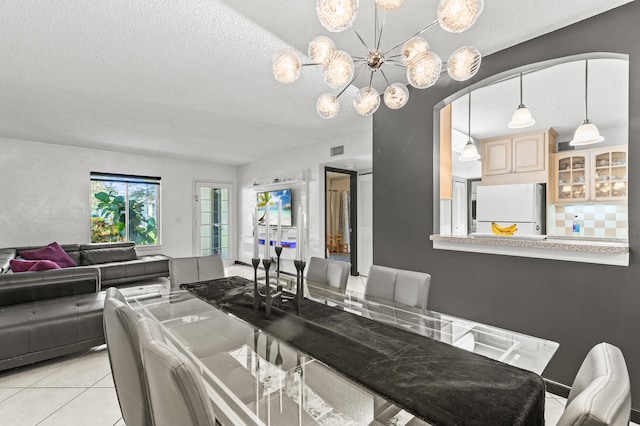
(286, 66)
(521, 118)
(470, 152)
(336, 15)
(586, 134)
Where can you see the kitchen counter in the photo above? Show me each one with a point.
(606, 251)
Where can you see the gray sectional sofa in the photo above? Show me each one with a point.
(56, 312)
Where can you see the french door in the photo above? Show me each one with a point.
(213, 207)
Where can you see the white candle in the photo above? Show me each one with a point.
(299, 234)
(267, 236)
(304, 236)
(256, 231)
(279, 229)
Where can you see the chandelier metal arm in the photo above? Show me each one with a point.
(352, 80)
(371, 79)
(360, 38)
(415, 35)
(385, 78)
(384, 19)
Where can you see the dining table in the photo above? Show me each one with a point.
(346, 360)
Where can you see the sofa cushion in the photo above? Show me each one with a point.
(22, 265)
(105, 255)
(51, 252)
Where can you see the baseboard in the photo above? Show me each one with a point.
(563, 391)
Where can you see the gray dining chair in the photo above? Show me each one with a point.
(601, 392)
(403, 289)
(327, 278)
(121, 336)
(193, 269)
(176, 389)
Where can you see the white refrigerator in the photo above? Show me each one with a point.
(510, 210)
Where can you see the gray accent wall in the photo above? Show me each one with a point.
(575, 304)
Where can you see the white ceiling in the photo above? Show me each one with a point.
(192, 78)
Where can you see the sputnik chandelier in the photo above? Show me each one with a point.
(423, 66)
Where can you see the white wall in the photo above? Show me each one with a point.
(311, 161)
(45, 192)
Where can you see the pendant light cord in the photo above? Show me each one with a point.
(586, 88)
(521, 90)
(469, 118)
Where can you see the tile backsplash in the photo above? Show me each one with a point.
(596, 220)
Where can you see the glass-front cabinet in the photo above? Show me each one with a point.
(591, 175)
(609, 182)
(571, 176)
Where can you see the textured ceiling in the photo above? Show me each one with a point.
(192, 78)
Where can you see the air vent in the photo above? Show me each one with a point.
(337, 150)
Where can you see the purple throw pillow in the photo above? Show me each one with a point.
(52, 252)
(20, 265)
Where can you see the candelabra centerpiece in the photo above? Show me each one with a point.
(270, 296)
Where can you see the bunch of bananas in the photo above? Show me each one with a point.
(502, 230)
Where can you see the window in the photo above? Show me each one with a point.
(125, 208)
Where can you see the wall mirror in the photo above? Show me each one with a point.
(583, 184)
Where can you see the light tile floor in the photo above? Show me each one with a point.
(78, 390)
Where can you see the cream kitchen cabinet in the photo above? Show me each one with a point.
(591, 175)
(609, 178)
(517, 158)
(571, 176)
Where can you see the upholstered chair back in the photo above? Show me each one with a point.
(327, 277)
(176, 390)
(193, 269)
(601, 393)
(121, 335)
(398, 287)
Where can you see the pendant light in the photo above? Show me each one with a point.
(470, 152)
(522, 116)
(587, 133)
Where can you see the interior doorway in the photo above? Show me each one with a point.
(341, 212)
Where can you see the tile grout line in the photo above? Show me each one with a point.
(63, 405)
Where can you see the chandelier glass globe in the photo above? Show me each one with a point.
(320, 48)
(336, 15)
(286, 66)
(389, 4)
(464, 63)
(328, 106)
(366, 101)
(338, 69)
(457, 16)
(412, 48)
(396, 96)
(424, 70)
